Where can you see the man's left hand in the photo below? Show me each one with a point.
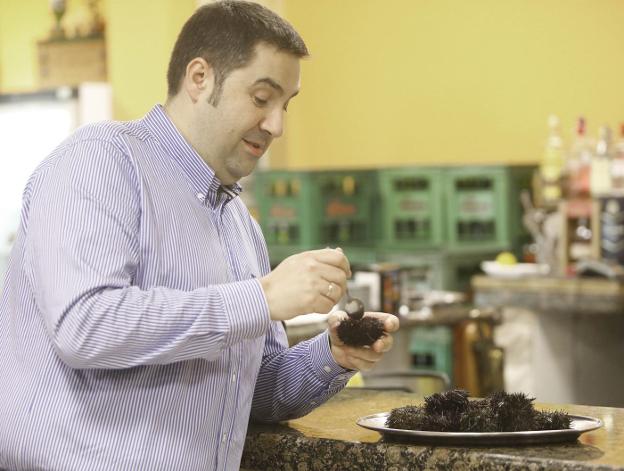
(361, 358)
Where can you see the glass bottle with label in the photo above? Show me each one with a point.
(579, 163)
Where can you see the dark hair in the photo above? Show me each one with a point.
(225, 34)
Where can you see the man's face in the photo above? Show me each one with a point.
(234, 134)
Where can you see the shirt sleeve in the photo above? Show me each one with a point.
(81, 256)
(293, 381)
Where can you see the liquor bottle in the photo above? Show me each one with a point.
(552, 165)
(617, 165)
(578, 243)
(600, 177)
(578, 166)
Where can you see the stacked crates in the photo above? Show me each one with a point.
(483, 211)
(454, 214)
(348, 201)
(306, 210)
(412, 208)
(412, 225)
(285, 211)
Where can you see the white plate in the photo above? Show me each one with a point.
(516, 270)
(580, 424)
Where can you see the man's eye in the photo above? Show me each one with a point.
(259, 101)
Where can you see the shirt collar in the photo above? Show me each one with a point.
(204, 182)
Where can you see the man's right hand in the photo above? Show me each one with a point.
(307, 282)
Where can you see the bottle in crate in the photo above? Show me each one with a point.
(348, 213)
(308, 210)
(286, 208)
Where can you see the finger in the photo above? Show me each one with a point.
(323, 305)
(335, 318)
(350, 273)
(331, 272)
(383, 344)
(331, 291)
(390, 321)
(317, 270)
(330, 301)
(333, 257)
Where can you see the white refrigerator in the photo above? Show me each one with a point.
(31, 126)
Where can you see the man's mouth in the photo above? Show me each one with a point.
(254, 148)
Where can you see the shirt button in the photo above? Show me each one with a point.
(224, 438)
(200, 196)
(234, 378)
(327, 369)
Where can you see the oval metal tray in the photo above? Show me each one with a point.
(580, 424)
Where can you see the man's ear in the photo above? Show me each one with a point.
(198, 79)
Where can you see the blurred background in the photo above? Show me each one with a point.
(468, 156)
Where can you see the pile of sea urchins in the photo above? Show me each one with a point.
(452, 411)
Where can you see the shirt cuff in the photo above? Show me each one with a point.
(323, 363)
(245, 308)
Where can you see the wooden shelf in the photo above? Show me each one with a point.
(71, 62)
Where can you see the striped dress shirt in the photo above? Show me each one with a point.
(134, 333)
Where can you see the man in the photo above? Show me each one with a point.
(140, 322)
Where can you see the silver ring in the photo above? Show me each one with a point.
(329, 289)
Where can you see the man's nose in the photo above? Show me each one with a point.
(273, 123)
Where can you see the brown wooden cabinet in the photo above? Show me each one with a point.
(71, 62)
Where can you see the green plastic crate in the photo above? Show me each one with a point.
(431, 348)
(285, 211)
(483, 207)
(348, 200)
(411, 213)
(307, 210)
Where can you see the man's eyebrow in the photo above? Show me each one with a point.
(273, 84)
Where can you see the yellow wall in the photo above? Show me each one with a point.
(393, 82)
(390, 82)
(140, 37)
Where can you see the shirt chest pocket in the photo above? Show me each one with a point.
(241, 248)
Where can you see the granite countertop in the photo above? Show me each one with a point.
(329, 439)
(551, 294)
